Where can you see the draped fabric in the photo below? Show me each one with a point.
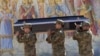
(50, 10)
(6, 32)
(60, 10)
(70, 5)
(28, 11)
(96, 8)
(57, 9)
(77, 4)
(41, 9)
(94, 28)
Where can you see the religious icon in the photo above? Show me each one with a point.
(86, 9)
(41, 8)
(6, 28)
(27, 10)
(57, 8)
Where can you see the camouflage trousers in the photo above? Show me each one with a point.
(86, 54)
(30, 51)
(59, 52)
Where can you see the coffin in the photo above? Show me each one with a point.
(44, 24)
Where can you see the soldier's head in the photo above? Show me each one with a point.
(85, 26)
(26, 28)
(59, 24)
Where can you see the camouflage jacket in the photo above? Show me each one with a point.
(29, 39)
(84, 40)
(57, 39)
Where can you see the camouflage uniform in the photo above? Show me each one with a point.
(57, 40)
(29, 41)
(84, 40)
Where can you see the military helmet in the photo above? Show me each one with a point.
(86, 24)
(26, 26)
(59, 21)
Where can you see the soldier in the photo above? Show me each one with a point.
(29, 39)
(57, 39)
(84, 39)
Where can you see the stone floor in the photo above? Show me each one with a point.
(44, 49)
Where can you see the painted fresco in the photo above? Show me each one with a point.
(13, 10)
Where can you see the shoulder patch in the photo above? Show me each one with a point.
(61, 31)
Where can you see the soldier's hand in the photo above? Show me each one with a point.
(49, 32)
(77, 25)
(17, 33)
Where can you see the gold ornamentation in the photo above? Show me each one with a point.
(58, 1)
(51, 2)
(41, 1)
(26, 2)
